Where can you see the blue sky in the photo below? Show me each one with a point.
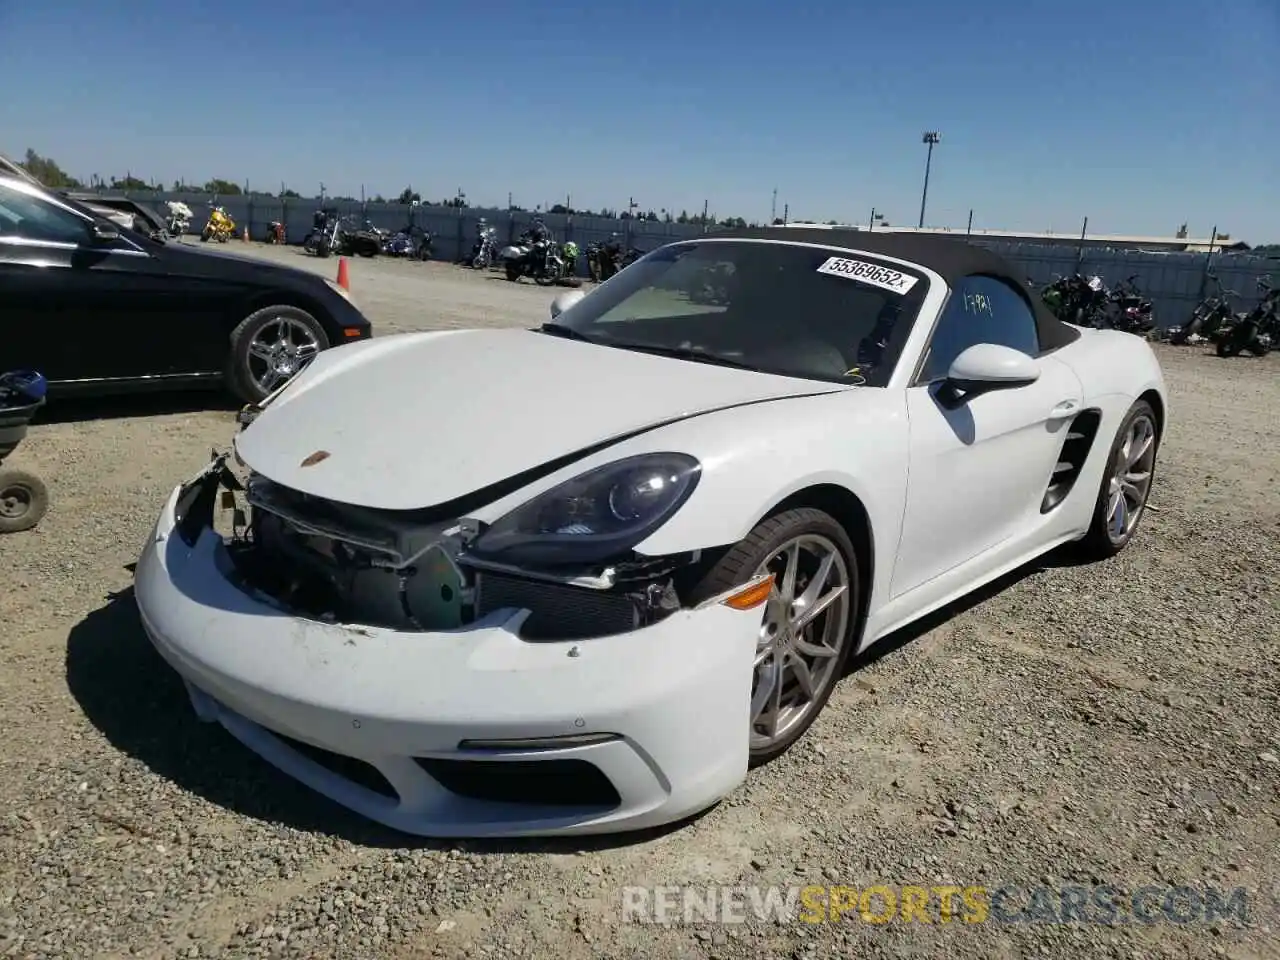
(1138, 114)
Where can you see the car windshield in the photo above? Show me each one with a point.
(779, 308)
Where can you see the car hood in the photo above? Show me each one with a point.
(206, 260)
(418, 420)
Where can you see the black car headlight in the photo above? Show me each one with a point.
(593, 517)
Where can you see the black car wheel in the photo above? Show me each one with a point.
(270, 347)
(24, 500)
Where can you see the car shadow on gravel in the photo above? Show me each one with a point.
(1063, 557)
(140, 705)
(119, 407)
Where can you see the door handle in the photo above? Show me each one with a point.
(1063, 410)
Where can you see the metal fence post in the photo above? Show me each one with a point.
(1208, 263)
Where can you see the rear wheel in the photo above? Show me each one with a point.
(809, 622)
(24, 500)
(270, 347)
(513, 271)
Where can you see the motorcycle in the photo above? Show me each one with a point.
(1208, 317)
(411, 243)
(1256, 331)
(275, 232)
(220, 227)
(1077, 300)
(179, 220)
(483, 250)
(366, 241)
(604, 259)
(539, 259)
(326, 234)
(569, 253)
(1129, 310)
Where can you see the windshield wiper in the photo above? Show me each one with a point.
(568, 333)
(684, 353)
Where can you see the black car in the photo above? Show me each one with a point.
(100, 308)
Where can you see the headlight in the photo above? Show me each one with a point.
(595, 516)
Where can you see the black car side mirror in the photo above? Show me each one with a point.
(104, 232)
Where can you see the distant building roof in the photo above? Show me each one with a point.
(1191, 244)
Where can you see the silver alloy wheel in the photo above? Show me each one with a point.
(279, 350)
(806, 623)
(1130, 480)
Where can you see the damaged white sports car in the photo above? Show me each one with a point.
(580, 578)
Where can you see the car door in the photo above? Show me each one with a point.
(94, 309)
(44, 329)
(978, 472)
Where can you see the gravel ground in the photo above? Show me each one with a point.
(1108, 724)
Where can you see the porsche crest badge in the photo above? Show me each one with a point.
(315, 458)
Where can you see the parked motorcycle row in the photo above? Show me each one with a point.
(1087, 301)
(537, 255)
(334, 234)
(1254, 331)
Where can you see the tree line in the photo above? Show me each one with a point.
(49, 172)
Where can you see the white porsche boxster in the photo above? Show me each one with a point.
(581, 578)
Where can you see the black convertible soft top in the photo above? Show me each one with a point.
(950, 257)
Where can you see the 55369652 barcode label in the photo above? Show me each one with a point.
(871, 273)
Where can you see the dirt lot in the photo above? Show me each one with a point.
(1115, 724)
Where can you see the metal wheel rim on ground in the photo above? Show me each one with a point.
(279, 350)
(805, 627)
(1130, 480)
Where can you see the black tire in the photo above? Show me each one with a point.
(239, 378)
(1227, 347)
(1098, 543)
(24, 500)
(739, 565)
(513, 271)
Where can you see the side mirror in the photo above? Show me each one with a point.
(985, 367)
(104, 232)
(563, 302)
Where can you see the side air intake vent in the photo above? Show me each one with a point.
(1075, 450)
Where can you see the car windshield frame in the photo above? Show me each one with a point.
(883, 298)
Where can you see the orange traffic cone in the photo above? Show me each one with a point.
(343, 280)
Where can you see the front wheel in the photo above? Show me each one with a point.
(269, 348)
(809, 622)
(513, 271)
(24, 500)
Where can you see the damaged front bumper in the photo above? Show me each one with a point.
(472, 731)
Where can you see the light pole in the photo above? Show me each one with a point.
(875, 215)
(931, 137)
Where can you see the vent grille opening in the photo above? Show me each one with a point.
(1081, 433)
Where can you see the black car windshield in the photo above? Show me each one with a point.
(780, 308)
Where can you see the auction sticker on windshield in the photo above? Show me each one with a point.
(871, 273)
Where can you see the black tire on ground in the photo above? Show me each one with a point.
(239, 379)
(1098, 544)
(739, 565)
(513, 272)
(1227, 347)
(24, 500)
